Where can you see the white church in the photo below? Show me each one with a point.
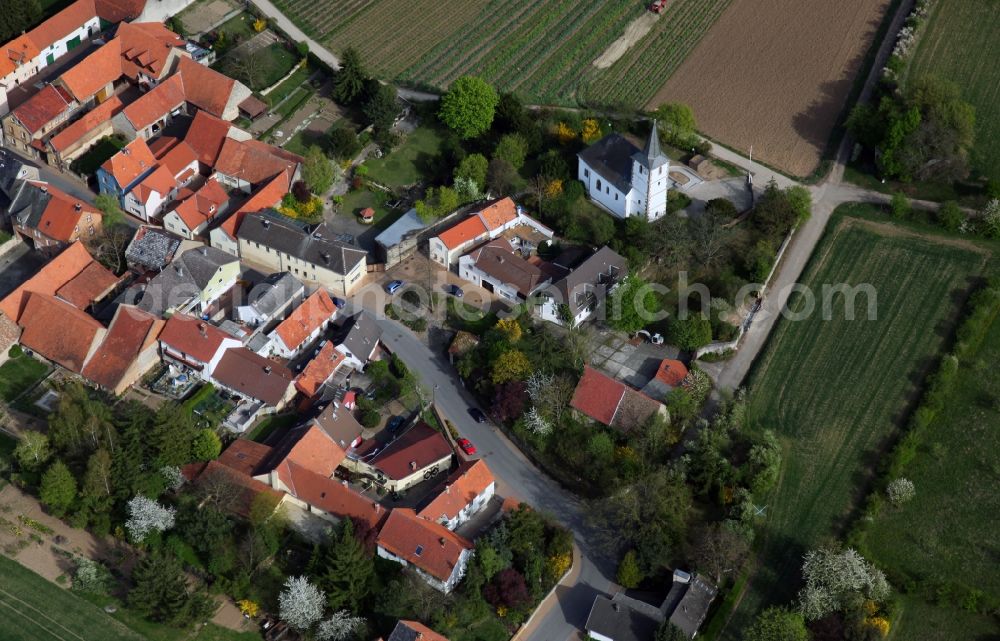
(625, 180)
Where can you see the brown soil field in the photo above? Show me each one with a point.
(775, 74)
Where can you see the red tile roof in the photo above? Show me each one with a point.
(333, 496)
(146, 47)
(19, 51)
(205, 88)
(160, 101)
(306, 319)
(132, 161)
(253, 161)
(311, 448)
(131, 332)
(267, 196)
(42, 108)
(62, 269)
(93, 119)
(671, 372)
(63, 23)
(245, 456)
(469, 481)
(417, 448)
(58, 331)
(96, 71)
(93, 283)
(498, 214)
(319, 370)
(161, 145)
(119, 10)
(253, 375)
(598, 395)
(469, 229)
(160, 181)
(423, 633)
(178, 158)
(247, 489)
(206, 135)
(61, 218)
(440, 549)
(203, 205)
(191, 336)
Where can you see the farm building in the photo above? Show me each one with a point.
(399, 239)
(625, 180)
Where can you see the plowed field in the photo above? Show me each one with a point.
(775, 74)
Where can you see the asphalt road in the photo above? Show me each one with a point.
(517, 477)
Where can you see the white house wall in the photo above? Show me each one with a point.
(603, 192)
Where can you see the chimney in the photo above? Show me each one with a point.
(413, 465)
(78, 207)
(201, 329)
(204, 251)
(616, 607)
(447, 489)
(442, 541)
(266, 222)
(267, 369)
(45, 189)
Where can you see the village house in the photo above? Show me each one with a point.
(414, 631)
(269, 301)
(480, 226)
(128, 351)
(150, 250)
(418, 454)
(359, 339)
(302, 327)
(248, 164)
(195, 210)
(123, 171)
(340, 425)
(625, 180)
(574, 298)
(399, 240)
(611, 402)
(49, 219)
(495, 267)
(262, 386)
(278, 244)
(463, 494)
(224, 236)
(317, 372)
(43, 113)
(194, 344)
(14, 173)
(438, 555)
(58, 331)
(192, 284)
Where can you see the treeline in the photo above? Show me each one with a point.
(18, 16)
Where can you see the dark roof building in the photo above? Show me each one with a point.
(358, 338)
(151, 249)
(611, 157)
(184, 279)
(616, 619)
(414, 631)
(253, 376)
(318, 247)
(623, 618)
(411, 453)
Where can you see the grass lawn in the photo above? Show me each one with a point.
(405, 165)
(35, 610)
(961, 41)
(105, 148)
(19, 374)
(920, 621)
(289, 85)
(835, 391)
(270, 65)
(270, 424)
(236, 29)
(955, 475)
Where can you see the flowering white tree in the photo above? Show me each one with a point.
(301, 603)
(339, 627)
(537, 423)
(900, 491)
(991, 218)
(145, 516)
(833, 576)
(172, 475)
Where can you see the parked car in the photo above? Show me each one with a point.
(339, 302)
(466, 446)
(393, 287)
(454, 290)
(477, 415)
(394, 424)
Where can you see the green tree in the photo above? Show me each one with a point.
(344, 143)
(899, 206)
(633, 305)
(317, 170)
(468, 106)
(111, 213)
(159, 590)
(676, 122)
(348, 571)
(97, 487)
(670, 632)
(473, 167)
(349, 83)
(437, 202)
(58, 489)
(32, 450)
(629, 574)
(206, 446)
(501, 177)
(691, 332)
(775, 213)
(512, 148)
(172, 436)
(800, 200)
(950, 216)
(777, 624)
(381, 108)
(765, 463)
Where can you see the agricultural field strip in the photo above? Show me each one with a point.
(961, 41)
(632, 79)
(829, 417)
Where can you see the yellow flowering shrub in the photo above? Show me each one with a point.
(591, 130)
(558, 565)
(259, 25)
(564, 133)
(248, 607)
(510, 328)
(555, 188)
(879, 623)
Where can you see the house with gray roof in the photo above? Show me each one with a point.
(312, 254)
(13, 174)
(625, 180)
(192, 284)
(576, 297)
(151, 249)
(399, 239)
(270, 300)
(359, 339)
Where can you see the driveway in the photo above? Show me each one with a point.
(17, 266)
(633, 364)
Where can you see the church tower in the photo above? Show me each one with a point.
(649, 178)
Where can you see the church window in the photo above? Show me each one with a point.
(599, 185)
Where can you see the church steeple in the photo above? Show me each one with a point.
(652, 157)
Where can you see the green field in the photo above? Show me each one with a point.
(19, 374)
(543, 49)
(956, 475)
(836, 391)
(919, 621)
(32, 609)
(961, 42)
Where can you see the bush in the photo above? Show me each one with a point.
(900, 491)
(950, 216)
(899, 207)
(370, 418)
(15, 351)
(629, 574)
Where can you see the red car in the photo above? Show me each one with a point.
(466, 446)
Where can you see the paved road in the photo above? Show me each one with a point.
(517, 477)
(66, 182)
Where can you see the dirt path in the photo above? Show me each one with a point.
(633, 34)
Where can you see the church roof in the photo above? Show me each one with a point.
(651, 155)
